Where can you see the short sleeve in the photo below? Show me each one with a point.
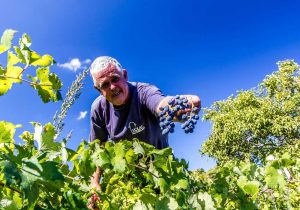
(97, 125)
(150, 96)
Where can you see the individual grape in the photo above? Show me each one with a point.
(161, 124)
(195, 109)
(168, 118)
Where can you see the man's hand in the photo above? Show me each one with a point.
(95, 184)
(193, 101)
(92, 202)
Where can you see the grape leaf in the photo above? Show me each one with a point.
(6, 40)
(11, 173)
(7, 80)
(49, 85)
(119, 164)
(100, 157)
(7, 132)
(251, 188)
(12, 59)
(44, 61)
(274, 179)
(44, 135)
(167, 203)
(55, 81)
(138, 149)
(7, 204)
(181, 184)
(51, 171)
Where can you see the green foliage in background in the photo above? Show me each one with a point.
(256, 123)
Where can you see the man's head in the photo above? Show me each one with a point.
(110, 79)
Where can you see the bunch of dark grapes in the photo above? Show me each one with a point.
(175, 105)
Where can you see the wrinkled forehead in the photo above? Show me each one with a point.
(109, 71)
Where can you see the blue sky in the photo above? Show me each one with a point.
(208, 48)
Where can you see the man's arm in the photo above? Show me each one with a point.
(96, 178)
(193, 101)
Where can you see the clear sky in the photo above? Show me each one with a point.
(208, 48)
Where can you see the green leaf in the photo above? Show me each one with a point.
(7, 132)
(32, 167)
(119, 150)
(44, 61)
(130, 156)
(206, 201)
(274, 179)
(5, 85)
(101, 158)
(251, 188)
(11, 173)
(7, 80)
(167, 203)
(49, 85)
(45, 136)
(163, 152)
(138, 149)
(7, 204)
(51, 171)
(79, 150)
(142, 206)
(6, 40)
(12, 59)
(163, 185)
(43, 75)
(14, 72)
(181, 184)
(119, 164)
(20, 54)
(26, 40)
(55, 81)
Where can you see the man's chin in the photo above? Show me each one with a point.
(117, 102)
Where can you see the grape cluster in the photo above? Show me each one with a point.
(188, 119)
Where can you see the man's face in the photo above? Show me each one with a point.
(112, 84)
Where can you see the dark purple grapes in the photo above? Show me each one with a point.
(188, 119)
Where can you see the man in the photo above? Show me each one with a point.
(126, 110)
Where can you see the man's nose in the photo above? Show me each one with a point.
(112, 86)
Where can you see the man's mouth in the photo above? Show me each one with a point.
(116, 93)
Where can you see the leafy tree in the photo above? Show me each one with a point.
(258, 122)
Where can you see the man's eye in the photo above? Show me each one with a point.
(104, 85)
(115, 79)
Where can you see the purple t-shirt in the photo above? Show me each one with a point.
(136, 119)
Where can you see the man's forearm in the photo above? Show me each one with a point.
(96, 178)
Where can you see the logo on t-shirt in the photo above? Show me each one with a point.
(135, 129)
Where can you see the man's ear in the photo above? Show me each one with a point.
(97, 88)
(125, 74)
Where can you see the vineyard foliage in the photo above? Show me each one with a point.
(254, 140)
